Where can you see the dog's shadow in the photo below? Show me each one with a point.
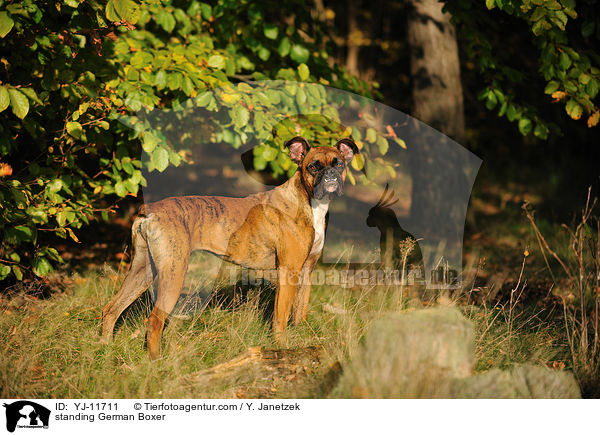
(255, 293)
(259, 295)
(233, 288)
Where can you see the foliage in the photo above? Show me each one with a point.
(72, 69)
(565, 36)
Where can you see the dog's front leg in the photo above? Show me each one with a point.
(289, 277)
(303, 292)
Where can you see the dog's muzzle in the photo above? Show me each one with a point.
(330, 184)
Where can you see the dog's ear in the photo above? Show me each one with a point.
(298, 148)
(347, 147)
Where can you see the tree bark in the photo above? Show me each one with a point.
(435, 69)
(441, 183)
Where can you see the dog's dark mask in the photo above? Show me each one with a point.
(328, 178)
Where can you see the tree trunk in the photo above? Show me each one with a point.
(351, 40)
(441, 170)
(435, 69)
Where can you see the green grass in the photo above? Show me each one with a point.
(52, 346)
(53, 349)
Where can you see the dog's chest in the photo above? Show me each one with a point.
(319, 210)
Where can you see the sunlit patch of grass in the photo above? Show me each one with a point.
(53, 349)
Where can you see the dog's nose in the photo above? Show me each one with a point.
(330, 175)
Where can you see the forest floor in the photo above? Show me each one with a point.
(51, 329)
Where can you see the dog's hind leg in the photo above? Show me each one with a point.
(171, 261)
(136, 282)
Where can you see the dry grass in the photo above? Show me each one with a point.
(52, 346)
(575, 268)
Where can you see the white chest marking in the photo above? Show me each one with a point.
(319, 210)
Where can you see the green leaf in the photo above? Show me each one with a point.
(525, 126)
(204, 99)
(538, 13)
(371, 135)
(149, 142)
(564, 61)
(400, 142)
(127, 10)
(120, 189)
(17, 271)
(284, 47)
(300, 96)
(259, 162)
(492, 100)
(55, 185)
(19, 103)
(271, 31)
(551, 87)
(160, 81)
(174, 81)
(74, 129)
(4, 271)
(216, 61)
(187, 86)
(539, 26)
(31, 94)
(6, 24)
(511, 112)
(592, 88)
(51, 253)
(382, 144)
(132, 75)
(206, 11)
(41, 266)
(166, 21)
(574, 110)
(4, 98)
(269, 153)
(584, 79)
(303, 72)
(72, 3)
(264, 54)
(299, 53)
(37, 215)
(25, 233)
(160, 157)
(541, 131)
(111, 12)
(240, 116)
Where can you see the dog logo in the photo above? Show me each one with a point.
(26, 414)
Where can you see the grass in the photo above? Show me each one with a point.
(53, 350)
(52, 346)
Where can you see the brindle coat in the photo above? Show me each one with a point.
(267, 230)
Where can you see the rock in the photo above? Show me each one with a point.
(409, 355)
(521, 382)
(430, 354)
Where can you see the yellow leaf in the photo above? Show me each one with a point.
(230, 98)
(358, 162)
(593, 119)
(72, 234)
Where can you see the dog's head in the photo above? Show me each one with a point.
(323, 169)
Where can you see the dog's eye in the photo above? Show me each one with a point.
(314, 166)
(336, 163)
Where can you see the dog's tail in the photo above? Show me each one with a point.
(139, 239)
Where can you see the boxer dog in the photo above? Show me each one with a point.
(281, 229)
